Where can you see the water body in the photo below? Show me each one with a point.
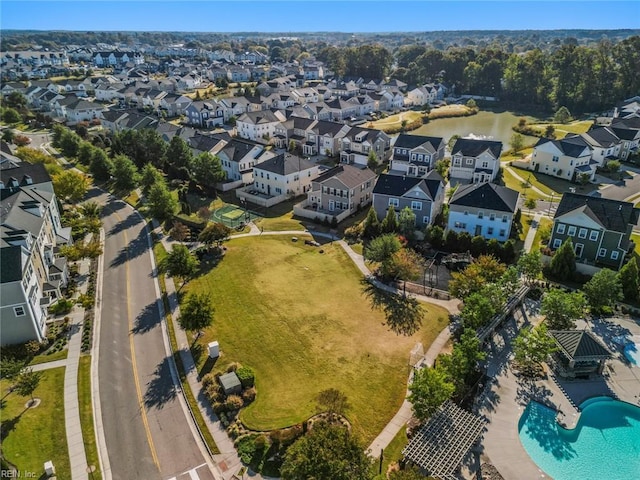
(489, 125)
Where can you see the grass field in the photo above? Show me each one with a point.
(544, 223)
(33, 436)
(562, 130)
(86, 415)
(395, 121)
(299, 319)
(512, 182)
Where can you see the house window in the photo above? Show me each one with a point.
(572, 231)
(485, 164)
(425, 219)
(325, 190)
(503, 232)
(593, 236)
(466, 212)
(579, 249)
(614, 255)
(469, 161)
(394, 202)
(416, 205)
(19, 311)
(557, 243)
(582, 233)
(505, 218)
(560, 228)
(492, 216)
(480, 214)
(490, 231)
(460, 225)
(602, 252)
(555, 158)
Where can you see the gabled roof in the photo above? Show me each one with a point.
(351, 176)
(469, 147)
(11, 261)
(285, 164)
(398, 186)
(413, 141)
(572, 146)
(238, 149)
(578, 344)
(486, 195)
(610, 214)
(256, 118)
(25, 174)
(602, 137)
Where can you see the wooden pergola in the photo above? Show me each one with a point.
(440, 445)
(579, 353)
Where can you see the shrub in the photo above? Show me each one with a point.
(32, 347)
(207, 380)
(61, 306)
(233, 367)
(246, 376)
(353, 233)
(218, 407)
(213, 393)
(249, 395)
(234, 402)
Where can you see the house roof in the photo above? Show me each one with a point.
(398, 186)
(11, 261)
(256, 118)
(571, 146)
(470, 147)
(602, 137)
(413, 141)
(610, 214)
(24, 174)
(238, 149)
(285, 164)
(579, 344)
(486, 195)
(351, 176)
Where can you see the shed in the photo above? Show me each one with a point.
(230, 383)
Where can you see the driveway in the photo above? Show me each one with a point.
(146, 430)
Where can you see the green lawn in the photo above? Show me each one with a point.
(562, 130)
(395, 121)
(44, 358)
(33, 436)
(512, 182)
(544, 223)
(393, 452)
(299, 319)
(86, 415)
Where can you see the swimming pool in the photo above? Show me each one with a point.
(604, 444)
(632, 352)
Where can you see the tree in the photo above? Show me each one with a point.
(613, 166)
(371, 224)
(292, 145)
(435, 236)
(11, 115)
(196, 313)
(149, 176)
(390, 222)
(477, 311)
(181, 263)
(333, 401)
(409, 473)
(214, 234)
(27, 382)
(429, 389)
(70, 186)
(372, 160)
(8, 135)
(485, 269)
(463, 361)
(100, 165)
(326, 452)
(161, 202)
(530, 265)
(179, 231)
(517, 142)
(471, 104)
(629, 279)
(381, 249)
(90, 210)
(531, 347)
(85, 152)
(563, 263)
(10, 368)
(407, 222)
(16, 100)
(179, 158)
(442, 167)
(530, 203)
(562, 115)
(562, 309)
(550, 131)
(70, 143)
(452, 141)
(207, 170)
(603, 291)
(125, 174)
(403, 313)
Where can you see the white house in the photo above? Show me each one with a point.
(239, 157)
(484, 209)
(475, 161)
(259, 126)
(568, 158)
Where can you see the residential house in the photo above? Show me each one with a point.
(32, 275)
(475, 160)
(108, 92)
(605, 144)
(415, 155)
(174, 104)
(483, 209)
(280, 84)
(344, 89)
(117, 58)
(75, 110)
(599, 228)
(258, 126)
(358, 143)
(424, 95)
(569, 158)
(324, 138)
(205, 113)
(278, 179)
(239, 157)
(238, 73)
(628, 131)
(628, 108)
(293, 130)
(338, 193)
(423, 195)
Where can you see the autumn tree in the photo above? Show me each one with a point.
(485, 269)
(179, 231)
(70, 186)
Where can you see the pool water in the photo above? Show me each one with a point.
(604, 445)
(632, 352)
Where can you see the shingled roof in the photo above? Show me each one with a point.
(285, 164)
(610, 214)
(486, 195)
(470, 147)
(413, 141)
(397, 186)
(579, 344)
(572, 146)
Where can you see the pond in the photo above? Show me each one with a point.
(490, 125)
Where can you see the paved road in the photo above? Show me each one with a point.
(146, 431)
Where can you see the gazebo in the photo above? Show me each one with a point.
(440, 445)
(580, 353)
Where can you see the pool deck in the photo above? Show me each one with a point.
(503, 404)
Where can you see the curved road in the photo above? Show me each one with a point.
(147, 433)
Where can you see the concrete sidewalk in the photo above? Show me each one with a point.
(47, 365)
(531, 234)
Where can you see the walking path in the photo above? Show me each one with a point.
(532, 187)
(47, 365)
(531, 234)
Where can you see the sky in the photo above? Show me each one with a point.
(315, 16)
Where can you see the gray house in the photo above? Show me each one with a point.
(599, 228)
(422, 195)
(415, 155)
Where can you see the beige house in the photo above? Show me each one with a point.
(568, 158)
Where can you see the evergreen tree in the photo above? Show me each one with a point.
(630, 281)
(161, 202)
(390, 222)
(563, 263)
(125, 173)
(179, 158)
(371, 225)
(100, 165)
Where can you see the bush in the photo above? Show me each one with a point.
(232, 367)
(207, 380)
(249, 395)
(62, 306)
(218, 407)
(213, 393)
(246, 376)
(234, 402)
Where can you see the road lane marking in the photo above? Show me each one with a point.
(193, 473)
(136, 380)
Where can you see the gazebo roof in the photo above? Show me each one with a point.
(580, 345)
(440, 445)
